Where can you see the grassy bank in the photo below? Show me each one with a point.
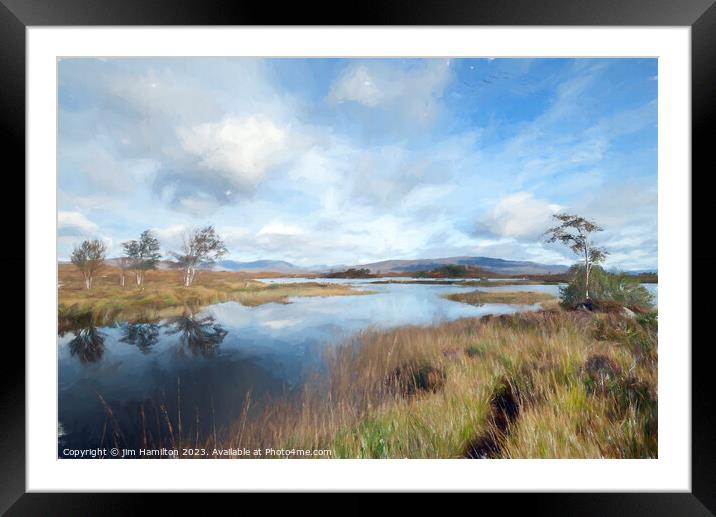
(510, 297)
(534, 385)
(163, 295)
(547, 384)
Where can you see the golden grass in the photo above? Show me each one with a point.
(509, 297)
(164, 295)
(358, 413)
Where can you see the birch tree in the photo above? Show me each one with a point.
(88, 257)
(142, 254)
(199, 247)
(576, 233)
(123, 264)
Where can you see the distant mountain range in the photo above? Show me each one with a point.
(496, 265)
(276, 266)
(507, 267)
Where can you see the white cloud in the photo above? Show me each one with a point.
(170, 237)
(520, 215)
(233, 232)
(380, 82)
(161, 92)
(241, 149)
(359, 85)
(410, 91)
(75, 224)
(96, 164)
(198, 204)
(623, 205)
(74, 227)
(279, 228)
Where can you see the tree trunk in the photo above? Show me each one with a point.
(586, 284)
(121, 279)
(586, 273)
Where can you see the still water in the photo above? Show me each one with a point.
(654, 290)
(127, 377)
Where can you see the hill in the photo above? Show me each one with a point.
(495, 265)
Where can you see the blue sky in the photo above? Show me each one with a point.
(347, 161)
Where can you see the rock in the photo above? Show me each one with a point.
(586, 305)
(627, 312)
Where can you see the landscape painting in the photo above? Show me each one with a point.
(357, 258)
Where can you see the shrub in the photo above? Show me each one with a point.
(649, 320)
(618, 287)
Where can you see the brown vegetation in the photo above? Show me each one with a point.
(163, 294)
(509, 297)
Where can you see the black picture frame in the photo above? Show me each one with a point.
(700, 15)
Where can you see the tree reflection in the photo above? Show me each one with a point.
(142, 335)
(200, 335)
(87, 345)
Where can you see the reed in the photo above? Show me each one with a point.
(543, 384)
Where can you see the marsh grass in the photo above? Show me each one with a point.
(163, 295)
(510, 297)
(579, 387)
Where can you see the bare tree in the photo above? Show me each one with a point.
(575, 232)
(199, 247)
(89, 258)
(142, 255)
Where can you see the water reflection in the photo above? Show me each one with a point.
(87, 345)
(142, 335)
(198, 334)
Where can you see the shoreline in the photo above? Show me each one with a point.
(164, 296)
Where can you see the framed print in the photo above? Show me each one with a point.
(445, 249)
